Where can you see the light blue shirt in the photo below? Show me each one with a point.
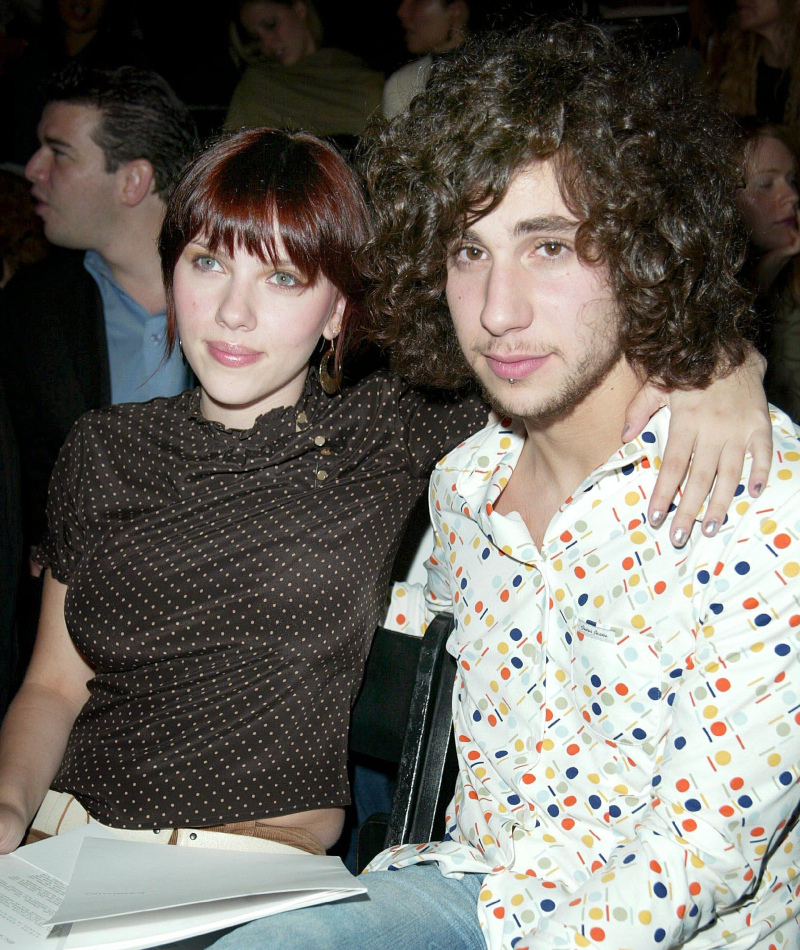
(135, 343)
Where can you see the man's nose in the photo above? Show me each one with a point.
(507, 304)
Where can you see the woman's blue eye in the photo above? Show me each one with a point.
(206, 262)
(284, 279)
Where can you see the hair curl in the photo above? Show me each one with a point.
(651, 173)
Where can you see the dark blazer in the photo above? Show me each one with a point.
(54, 365)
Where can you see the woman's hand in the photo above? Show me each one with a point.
(12, 828)
(709, 433)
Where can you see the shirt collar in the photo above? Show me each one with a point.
(275, 423)
(496, 448)
(100, 269)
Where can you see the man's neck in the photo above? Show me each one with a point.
(558, 456)
(132, 257)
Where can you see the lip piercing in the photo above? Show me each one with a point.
(511, 381)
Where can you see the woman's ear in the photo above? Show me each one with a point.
(333, 325)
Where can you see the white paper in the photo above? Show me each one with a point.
(28, 898)
(58, 855)
(114, 877)
(128, 895)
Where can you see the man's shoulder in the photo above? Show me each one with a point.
(414, 73)
(59, 278)
(784, 477)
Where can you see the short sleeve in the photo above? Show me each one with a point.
(63, 542)
(435, 423)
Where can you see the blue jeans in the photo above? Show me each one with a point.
(415, 908)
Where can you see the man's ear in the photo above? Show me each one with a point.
(459, 15)
(137, 180)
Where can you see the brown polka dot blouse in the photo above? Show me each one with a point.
(225, 585)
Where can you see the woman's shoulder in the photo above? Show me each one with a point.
(125, 423)
(333, 56)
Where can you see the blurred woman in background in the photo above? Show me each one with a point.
(769, 204)
(291, 80)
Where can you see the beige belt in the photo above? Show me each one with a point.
(61, 812)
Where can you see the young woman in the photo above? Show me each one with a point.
(217, 561)
(770, 203)
(291, 79)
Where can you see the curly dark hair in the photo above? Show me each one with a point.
(650, 171)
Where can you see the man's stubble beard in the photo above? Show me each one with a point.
(580, 383)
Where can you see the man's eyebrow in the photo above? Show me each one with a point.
(551, 223)
(554, 223)
(52, 140)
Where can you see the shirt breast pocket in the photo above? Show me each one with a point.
(617, 683)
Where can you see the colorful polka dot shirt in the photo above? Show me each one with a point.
(626, 713)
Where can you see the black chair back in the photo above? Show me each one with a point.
(403, 715)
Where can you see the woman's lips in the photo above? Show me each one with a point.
(229, 354)
(517, 368)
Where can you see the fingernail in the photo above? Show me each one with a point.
(757, 489)
(656, 518)
(710, 528)
(679, 537)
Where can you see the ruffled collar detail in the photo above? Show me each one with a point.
(273, 434)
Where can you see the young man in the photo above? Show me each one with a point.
(625, 713)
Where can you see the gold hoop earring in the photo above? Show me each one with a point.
(330, 372)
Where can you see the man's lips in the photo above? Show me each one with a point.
(39, 203)
(232, 354)
(517, 367)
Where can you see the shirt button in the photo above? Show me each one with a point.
(321, 475)
(302, 418)
(155, 338)
(319, 440)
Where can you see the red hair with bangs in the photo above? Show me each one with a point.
(259, 184)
